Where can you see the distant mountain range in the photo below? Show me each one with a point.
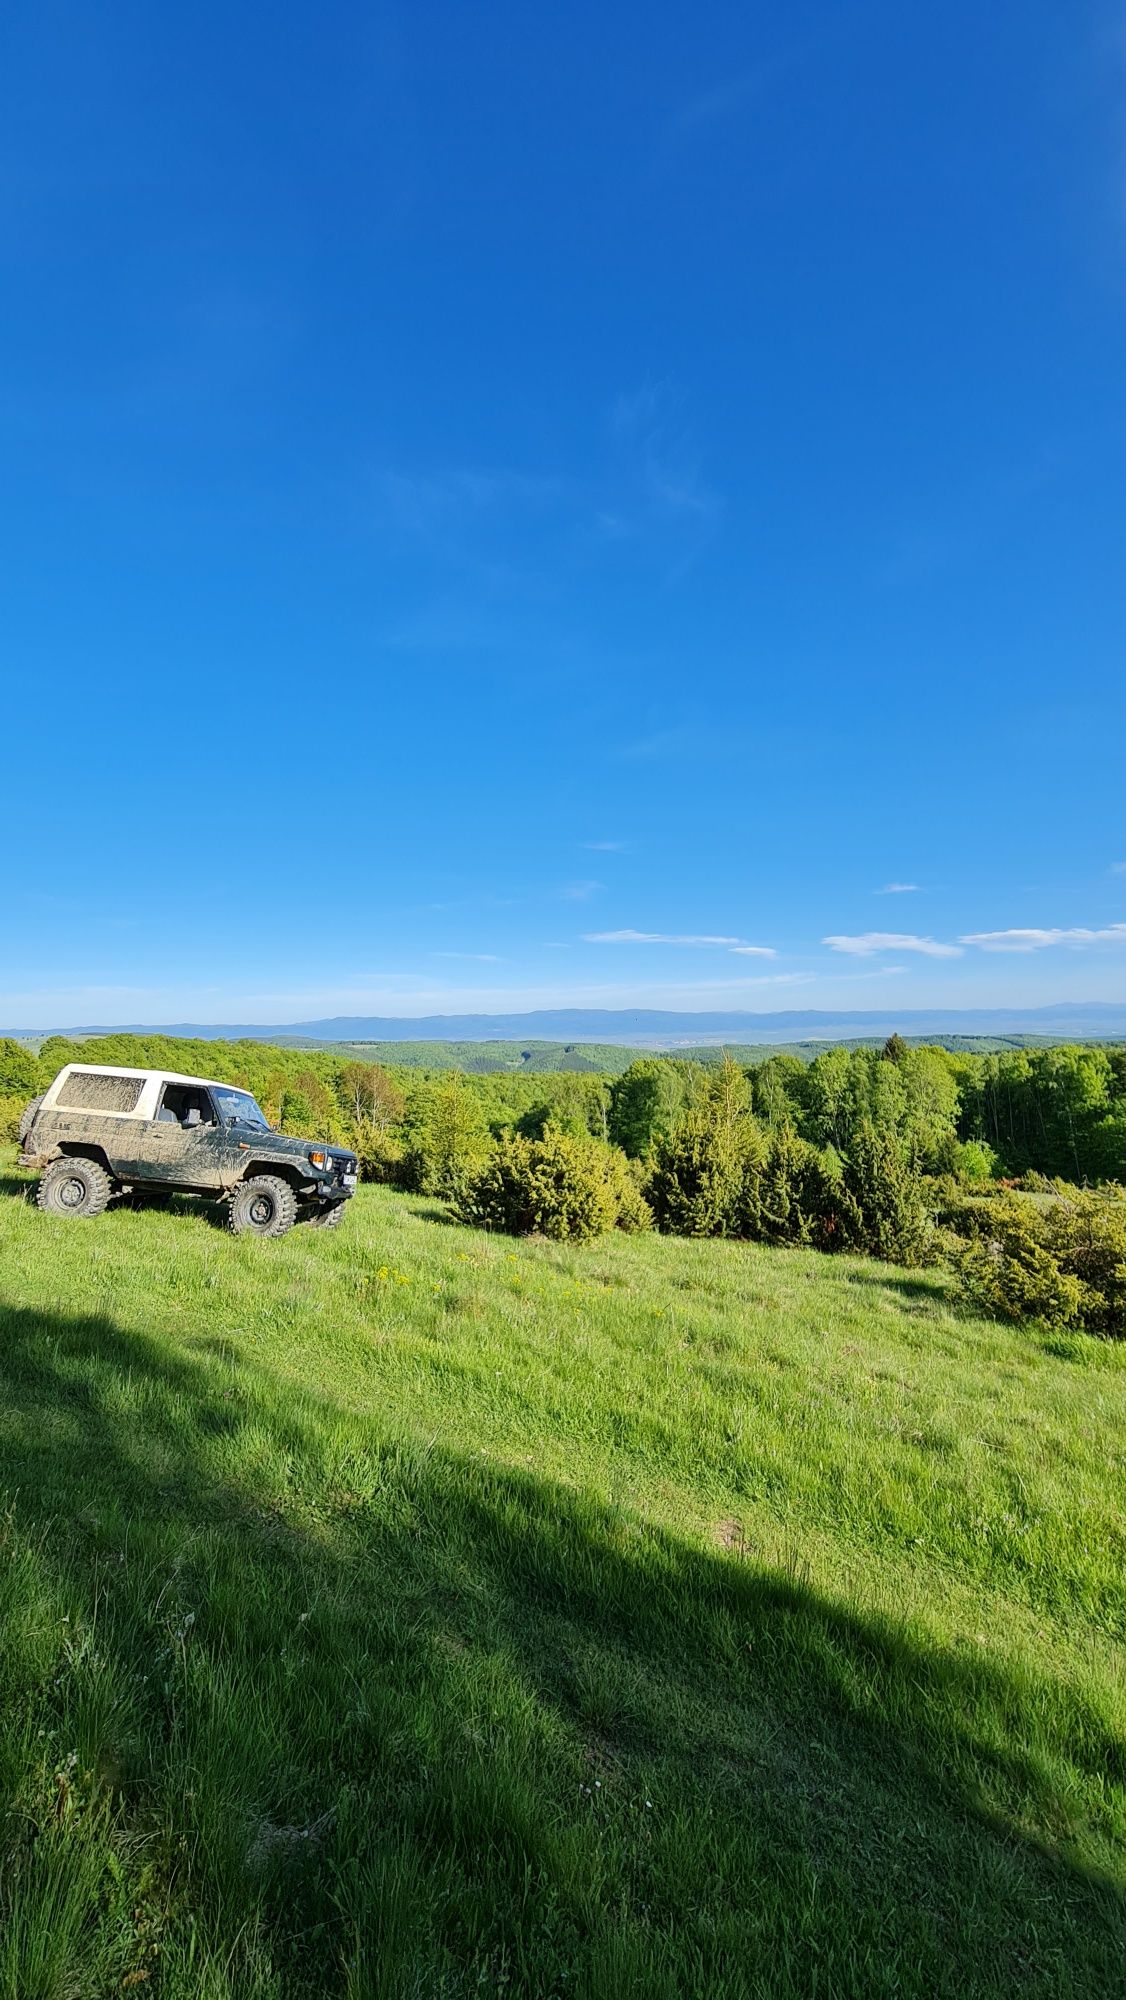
(652, 1027)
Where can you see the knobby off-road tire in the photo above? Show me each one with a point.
(330, 1216)
(264, 1206)
(74, 1187)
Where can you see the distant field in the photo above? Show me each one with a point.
(410, 1612)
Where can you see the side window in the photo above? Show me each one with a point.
(90, 1090)
(185, 1104)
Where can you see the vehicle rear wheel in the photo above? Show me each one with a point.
(263, 1206)
(329, 1216)
(74, 1187)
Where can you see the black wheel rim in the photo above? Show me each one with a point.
(72, 1192)
(261, 1211)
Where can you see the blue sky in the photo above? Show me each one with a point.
(516, 505)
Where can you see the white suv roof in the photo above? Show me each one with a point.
(164, 1075)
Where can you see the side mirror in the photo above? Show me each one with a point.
(194, 1116)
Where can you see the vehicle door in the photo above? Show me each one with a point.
(186, 1145)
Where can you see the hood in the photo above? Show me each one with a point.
(299, 1148)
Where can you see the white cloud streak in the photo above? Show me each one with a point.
(1042, 940)
(732, 944)
(899, 889)
(870, 942)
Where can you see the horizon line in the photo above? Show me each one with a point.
(657, 1015)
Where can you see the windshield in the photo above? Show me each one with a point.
(237, 1107)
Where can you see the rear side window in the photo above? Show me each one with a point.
(90, 1090)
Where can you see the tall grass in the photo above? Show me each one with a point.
(402, 1612)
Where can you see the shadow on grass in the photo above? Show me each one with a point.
(432, 1209)
(375, 1718)
(929, 1288)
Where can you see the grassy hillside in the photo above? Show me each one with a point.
(409, 1612)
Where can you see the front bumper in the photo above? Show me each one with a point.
(330, 1187)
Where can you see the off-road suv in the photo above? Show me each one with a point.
(100, 1132)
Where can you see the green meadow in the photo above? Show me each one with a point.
(410, 1612)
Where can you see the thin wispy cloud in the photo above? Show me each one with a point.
(477, 957)
(424, 503)
(473, 523)
(1118, 867)
(638, 409)
(645, 484)
(698, 939)
(871, 942)
(603, 846)
(899, 889)
(708, 107)
(660, 459)
(481, 901)
(1075, 936)
(676, 741)
(580, 892)
(661, 743)
(729, 96)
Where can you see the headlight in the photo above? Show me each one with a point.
(319, 1159)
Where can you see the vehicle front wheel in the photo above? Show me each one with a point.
(264, 1206)
(74, 1187)
(328, 1216)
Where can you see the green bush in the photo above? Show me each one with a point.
(444, 1138)
(644, 1102)
(627, 1180)
(1107, 1148)
(575, 1104)
(891, 1220)
(19, 1071)
(1063, 1264)
(569, 1188)
(696, 1182)
(962, 1212)
(12, 1109)
(795, 1193)
(1012, 1276)
(718, 1175)
(1087, 1237)
(974, 1161)
(380, 1154)
(296, 1114)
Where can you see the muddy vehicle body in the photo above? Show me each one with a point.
(100, 1132)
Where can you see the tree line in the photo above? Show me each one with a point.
(1059, 1111)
